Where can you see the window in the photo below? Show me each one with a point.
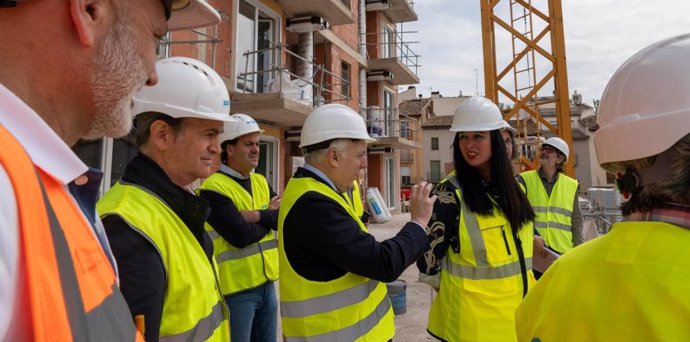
(389, 179)
(268, 155)
(389, 113)
(388, 43)
(405, 179)
(345, 75)
(434, 144)
(435, 170)
(256, 30)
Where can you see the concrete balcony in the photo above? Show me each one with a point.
(389, 130)
(401, 73)
(336, 12)
(391, 59)
(272, 108)
(397, 11)
(274, 94)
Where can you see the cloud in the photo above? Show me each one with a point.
(599, 36)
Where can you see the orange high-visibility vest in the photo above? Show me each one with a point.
(69, 292)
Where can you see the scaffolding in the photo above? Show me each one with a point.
(323, 86)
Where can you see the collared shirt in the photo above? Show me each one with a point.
(672, 213)
(49, 153)
(321, 175)
(230, 171)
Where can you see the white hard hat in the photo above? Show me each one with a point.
(558, 144)
(333, 121)
(186, 88)
(235, 129)
(190, 14)
(645, 108)
(478, 114)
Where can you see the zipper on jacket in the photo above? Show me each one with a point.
(505, 239)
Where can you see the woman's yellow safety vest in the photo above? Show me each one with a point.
(245, 268)
(628, 285)
(481, 286)
(193, 307)
(350, 308)
(555, 212)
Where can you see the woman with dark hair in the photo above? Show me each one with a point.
(481, 234)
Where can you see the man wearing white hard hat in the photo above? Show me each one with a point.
(553, 195)
(244, 214)
(632, 283)
(154, 222)
(331, 270)
(70, 74)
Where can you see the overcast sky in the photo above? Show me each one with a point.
(599, 36)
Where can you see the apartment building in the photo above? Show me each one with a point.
(281, 59)
(414, 111)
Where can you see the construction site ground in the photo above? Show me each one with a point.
(410, 326)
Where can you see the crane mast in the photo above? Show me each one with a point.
(536, 66)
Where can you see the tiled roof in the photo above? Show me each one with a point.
(577, 134)
(522, 124)
(590, 122)
(414, 107)
(438, 122)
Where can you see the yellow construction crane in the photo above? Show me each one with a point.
(537, 65)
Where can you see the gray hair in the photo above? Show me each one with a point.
(318, 156)
(673, 188)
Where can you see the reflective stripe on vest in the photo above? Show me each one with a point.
(202, 330)
(256, 248)
(553, 213)
(244, 268)
(193, 307)
(350, 308)
(69, 285)
(352, 332)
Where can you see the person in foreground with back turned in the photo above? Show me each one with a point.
(632, 283)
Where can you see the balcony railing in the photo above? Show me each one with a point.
(385, 122)
(389, 44)
(270, 76)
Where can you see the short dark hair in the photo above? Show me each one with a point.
(223, 145)
(143, 121)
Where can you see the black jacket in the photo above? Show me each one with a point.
(142, 276)
(323, 242)
(226, 219)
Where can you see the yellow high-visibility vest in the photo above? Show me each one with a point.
(555, 212)
(193, 307)
(482, 285)
(628, 285)
(245, 268)
(350, 308)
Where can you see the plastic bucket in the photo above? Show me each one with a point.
(396, 292)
